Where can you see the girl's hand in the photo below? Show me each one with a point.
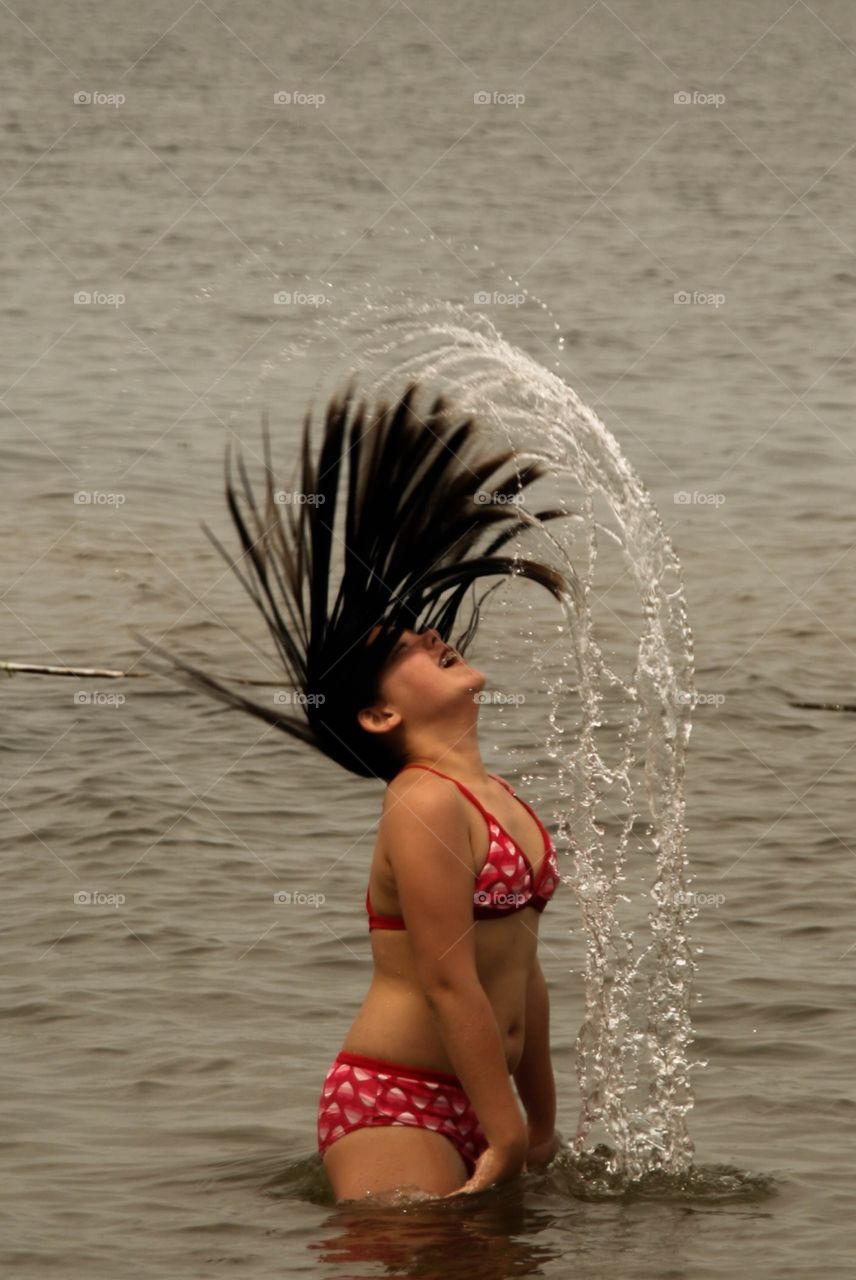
(495, 1164)
(542, 1150)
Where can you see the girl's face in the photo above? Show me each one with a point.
(423, 676)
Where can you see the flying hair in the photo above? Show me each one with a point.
(424, 512)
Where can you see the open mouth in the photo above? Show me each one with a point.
(449, 658)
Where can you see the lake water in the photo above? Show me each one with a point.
(162, 1056)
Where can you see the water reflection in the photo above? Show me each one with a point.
(491, 1235)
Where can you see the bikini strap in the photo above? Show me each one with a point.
(545, 834)
(489, 818)
(502, 783)
(465, 790)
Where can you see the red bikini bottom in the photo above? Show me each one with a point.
(361, 1093)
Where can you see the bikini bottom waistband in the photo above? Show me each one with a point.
(397, 1068)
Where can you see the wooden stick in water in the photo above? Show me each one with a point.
(824, 706)
(106, 673)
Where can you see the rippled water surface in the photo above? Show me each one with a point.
(163, 1049)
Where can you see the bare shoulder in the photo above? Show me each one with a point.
(417, 794)
(423, 813)
(426, 834)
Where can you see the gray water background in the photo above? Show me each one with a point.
(162, 1060)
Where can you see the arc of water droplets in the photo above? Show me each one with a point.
(635, 1031)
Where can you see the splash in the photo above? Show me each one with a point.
(620, 766)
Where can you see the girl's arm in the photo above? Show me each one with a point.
(534, 1074)
(425, 830)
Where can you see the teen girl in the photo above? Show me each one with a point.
(421, 1094)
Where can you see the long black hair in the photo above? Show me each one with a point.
(420, 495)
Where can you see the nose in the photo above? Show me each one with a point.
(433, 637)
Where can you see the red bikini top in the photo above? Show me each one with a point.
(506, 882)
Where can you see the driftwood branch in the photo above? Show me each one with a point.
(824, 706)
(107, 673)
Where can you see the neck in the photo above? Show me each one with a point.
(459, 756)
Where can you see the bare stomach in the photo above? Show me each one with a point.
(396, 1022)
